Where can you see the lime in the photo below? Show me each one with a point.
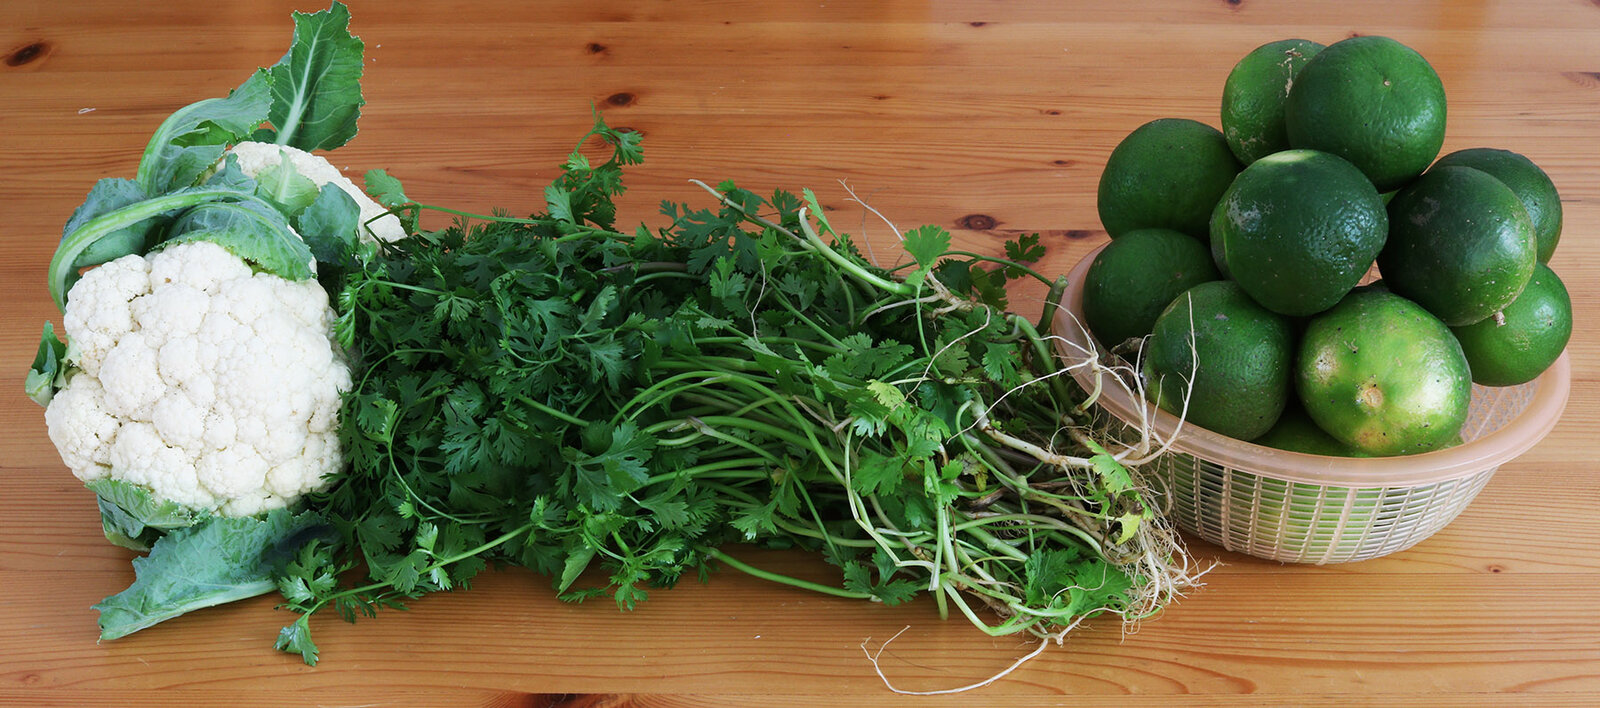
(1460, 244)
(1372, 101)
(1296, 432)
(1380, 373)
(1525, 338)
(1220, 259)
(1236, 353)
(1134, 278)
(1527, 181)
(1252, 98)
(1167, 174)
(1298, 229)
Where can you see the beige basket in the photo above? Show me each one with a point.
(1301, 508)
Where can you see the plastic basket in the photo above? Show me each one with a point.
(1301, 508)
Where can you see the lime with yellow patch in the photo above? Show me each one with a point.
(1381, 374)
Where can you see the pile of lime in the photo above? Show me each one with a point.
(1238, 257)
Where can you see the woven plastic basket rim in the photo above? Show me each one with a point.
(1487, 452)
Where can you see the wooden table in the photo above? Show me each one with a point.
(989, 118)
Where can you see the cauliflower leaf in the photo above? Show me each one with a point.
(45, 378)
(217, 561)
(134, 518)
(193, 137)
(256, 233)
(316, 87)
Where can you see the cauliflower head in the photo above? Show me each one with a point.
(212, 386)
(255, 158)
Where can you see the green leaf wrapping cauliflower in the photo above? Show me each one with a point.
(305, 173)
(211, 386)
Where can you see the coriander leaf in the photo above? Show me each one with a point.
(671, 513)
(310, 576)
(48, 370)
(817, 212)
(1113, 475)
(757, 521)
(386, 189)
(577, 161)
(926, 244)
(602, 480)
(316, 87)
(577, 560)
(989, 287)
(1098, 584)
(559, 202)
(887, 395)
(895, 592)
(1047, 573)
(296, 639)
(875, 473)
(857, 577)
(1000, 363)
(1129, 523)
(1025, 249)
(725, 283)
(219, 560)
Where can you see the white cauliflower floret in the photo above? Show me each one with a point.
(81, 428)
(214, 387)
(104, 309)
(255, 158)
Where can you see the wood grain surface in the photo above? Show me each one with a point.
(989, 118)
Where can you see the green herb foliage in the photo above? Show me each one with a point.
(611, 410)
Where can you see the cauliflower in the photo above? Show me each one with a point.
(211, 386)
(255, 158)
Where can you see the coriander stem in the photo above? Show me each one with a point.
(1002, 261)
(849, 266)
(484, 217)
(552, 412)
(785, 579)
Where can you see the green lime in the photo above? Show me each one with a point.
(1296, 432)
(1134, 278)
(1527, 181)
(1220, 259)
(1298, 229)
(1525, 338)
(1236, 353)
(1166, 174)
(1252, 97)
(1380, 373)
(1372, 101)
(1460, 244)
